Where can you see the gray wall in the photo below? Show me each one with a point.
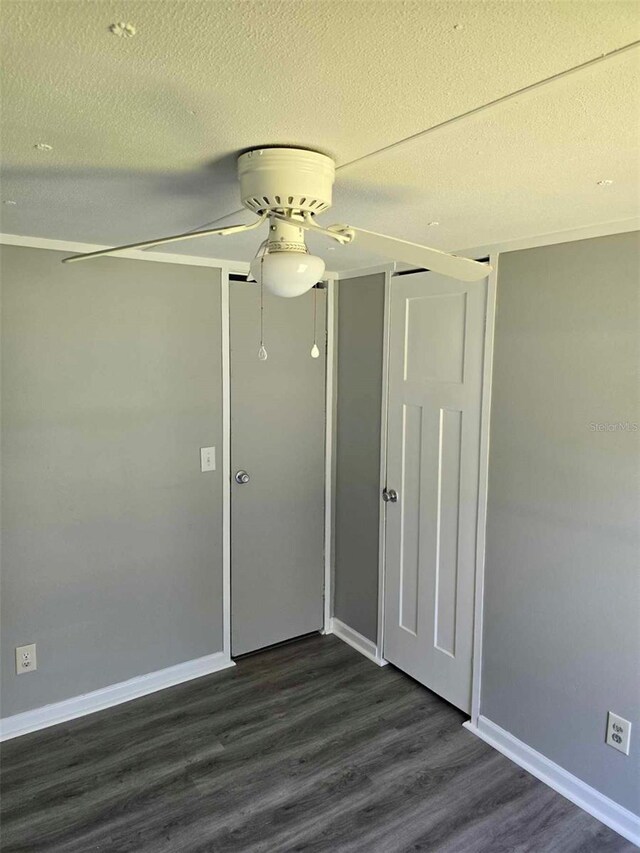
(111, 556)
(562, 597)
(357, 460)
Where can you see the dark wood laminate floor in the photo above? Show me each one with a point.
(308, 747)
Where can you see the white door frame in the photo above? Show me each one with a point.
(483, 482)
(384, 423)
(226, 465)
(329, 460)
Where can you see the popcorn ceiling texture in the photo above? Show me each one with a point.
(145, 129)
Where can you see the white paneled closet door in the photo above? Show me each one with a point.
(435, 389)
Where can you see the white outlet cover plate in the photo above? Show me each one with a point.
(618, 733)
(207, 459)
(26, 659)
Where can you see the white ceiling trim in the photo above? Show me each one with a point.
(586, 232)
(239, 267)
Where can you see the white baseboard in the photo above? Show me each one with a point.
(361, 644)
(605, 810)
(107, 697)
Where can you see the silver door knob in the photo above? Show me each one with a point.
(389, 496)
(242, 477)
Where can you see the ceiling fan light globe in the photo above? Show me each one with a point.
(288, 273)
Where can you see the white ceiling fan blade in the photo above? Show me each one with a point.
(463, 269)
(190, 235)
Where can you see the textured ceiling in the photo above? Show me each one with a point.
(144, 130)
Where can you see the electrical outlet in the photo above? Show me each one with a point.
(618, 733)
(207, 459)
(26, 659)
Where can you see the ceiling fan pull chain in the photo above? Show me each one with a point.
(315, 352)
(262, 352)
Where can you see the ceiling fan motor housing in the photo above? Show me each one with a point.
(286, 180)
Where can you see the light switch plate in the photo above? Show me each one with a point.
(207, 459)
(618, 733)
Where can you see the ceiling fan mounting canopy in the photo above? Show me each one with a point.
(286, 180)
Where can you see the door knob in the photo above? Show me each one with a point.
(389, 496)
(242, 477)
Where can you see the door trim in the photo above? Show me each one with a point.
(226, 464)
(329, 463)
(384, 420)
(483, 487)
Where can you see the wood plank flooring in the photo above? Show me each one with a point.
(307, 747)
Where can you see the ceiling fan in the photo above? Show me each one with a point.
(289, 187)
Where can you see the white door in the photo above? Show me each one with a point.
(435, 388)
(277, 467)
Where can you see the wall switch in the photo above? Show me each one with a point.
(618, 733)
(207, 459)
(26, 659)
